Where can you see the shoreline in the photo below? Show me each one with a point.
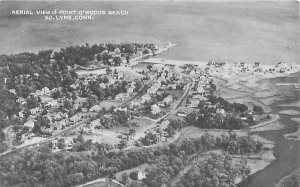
(294, 135)
(253, 88)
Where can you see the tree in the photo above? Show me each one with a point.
(55, 95)
(71, 113)
(258, 109)
(117, 61)
(124, 177)
(61, 143)
(133, 175)
(149, 67)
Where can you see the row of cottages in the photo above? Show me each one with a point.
(44, 91)
(59, 116)
(34, 111)
(120, 109)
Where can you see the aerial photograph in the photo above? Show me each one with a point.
(163, 93)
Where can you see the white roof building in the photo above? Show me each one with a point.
(146, 98)
(95, 108)
(29, 124)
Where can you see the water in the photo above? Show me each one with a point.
(228, 31)
(286, 152)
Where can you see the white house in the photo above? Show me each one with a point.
(21, 100)
(200, 90)
(75, 118)
(46, 91)
(130, 91)
(102, 85)
(120, 97)
(120, 109)
(58, 117)
(141, 175)
(12, 91)
(220, 111)
(95, 108)
(168, 100)
(29, 124)
(146, 98)
(182, 114)
(21, 115)
(34, 110)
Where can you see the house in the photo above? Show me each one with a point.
(220, 111)
(52, 104)
(69, 143)
(63, 123)
(75, 118)
(194, 102)
(242, 64)
(120, 76)
(120, 97)
(21, 115)
(29, 124)
(256, 64)
(64, 115)
(152, 90)
(191, 106)
(58, 117)
(182, 114)
(95, 123)
(95, 108)
(166, 123)
(34, 110)
(200, 90)
(12, 91)
(168, 100)
(155, 109)
(74, 86)
(46, 91)
(146, 98)
(244, 69)
(141, 175)
(173, 86)
(120, 109)
(54, 144)
(133, 105)
(130, 91)
(108, 71)
(21, 100)
(84, 110)
(282, 70)
(203, 98)
(102, 85)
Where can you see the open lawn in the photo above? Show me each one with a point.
(108, 104)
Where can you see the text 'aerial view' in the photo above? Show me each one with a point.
(143, 93)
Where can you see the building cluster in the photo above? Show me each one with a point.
(200, 90)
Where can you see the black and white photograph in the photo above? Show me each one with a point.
(138, 93)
